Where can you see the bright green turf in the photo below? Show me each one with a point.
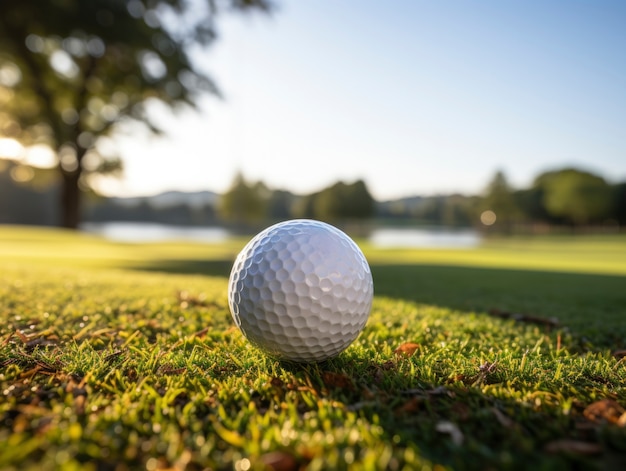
(125, 356)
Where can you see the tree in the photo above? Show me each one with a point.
(530, 202)
(243, 203)
(359, 202)
(279, 205)
(457, 211)
(577, 196)
(304, 207)
(343, 201)
(499, 199)
(73, 71)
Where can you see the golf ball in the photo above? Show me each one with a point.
(301, 290)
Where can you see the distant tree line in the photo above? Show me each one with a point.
(341, 202)
(566, 197)
(561, 198)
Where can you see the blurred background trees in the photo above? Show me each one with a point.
(577, 197)
(244, 203)
(338, 202)
(498, 205)
(74, 71)
(253, 203)
(556, 200)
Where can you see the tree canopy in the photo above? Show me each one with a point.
(243, 202)
(499, 199)
(339, 202)
(71, 71)
(577, 196)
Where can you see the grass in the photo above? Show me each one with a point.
(119, 356)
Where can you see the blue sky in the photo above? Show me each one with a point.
(414, 97)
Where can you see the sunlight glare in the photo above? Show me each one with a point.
(39, 156)
(10, 149)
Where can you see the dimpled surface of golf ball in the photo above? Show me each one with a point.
(301, 290)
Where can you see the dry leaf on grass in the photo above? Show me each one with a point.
(279, 461)
(337, 380)
(201, 333)
(407, 349)
(277, 382)
(410, 406)
(605, 410)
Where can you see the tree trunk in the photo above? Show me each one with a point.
(70, 200)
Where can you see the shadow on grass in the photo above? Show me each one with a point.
(593, 306)
(458, 424)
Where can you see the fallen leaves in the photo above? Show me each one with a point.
(34, 340)
(337, 381)
(201, 333)
(619, 354)
(419, 397)
(606, 410)
(409, 407)
(279, 461)
(406, 349)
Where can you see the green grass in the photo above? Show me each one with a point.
(119, 356)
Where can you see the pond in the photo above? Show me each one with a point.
(153, 232)
(433, 237)
(383, 237)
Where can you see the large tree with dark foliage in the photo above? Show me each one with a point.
(577, 196)
(71, 71)
(338, 202)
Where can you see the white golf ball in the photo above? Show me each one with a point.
(301, 290)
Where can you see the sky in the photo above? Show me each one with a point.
(415, 97)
